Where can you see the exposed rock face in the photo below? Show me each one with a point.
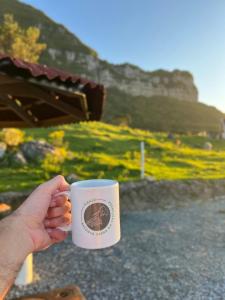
(131, 79)
(66, 51)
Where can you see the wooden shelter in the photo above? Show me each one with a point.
(33, 95)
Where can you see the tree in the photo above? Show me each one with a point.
(18, 42)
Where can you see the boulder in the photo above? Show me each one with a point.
(170, 136)
(35, 150)
(18, 159)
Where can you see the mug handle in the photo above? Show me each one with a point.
(66, 227)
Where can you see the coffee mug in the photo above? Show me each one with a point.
(95, 213)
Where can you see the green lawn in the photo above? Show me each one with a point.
(98, 150)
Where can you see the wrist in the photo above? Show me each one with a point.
(17, 244)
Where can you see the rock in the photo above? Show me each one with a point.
(2, 149)
(72, 178)
(4, 208)
(150, 178)
(19, 159)
(12, 197)
(170, 136)
(35, 150)
(178, 142)
(208, 146)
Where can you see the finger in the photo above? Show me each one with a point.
(57, 235)
(39, 200)
(58, 221)
(58, 200)
(57, 183)
(59, 210)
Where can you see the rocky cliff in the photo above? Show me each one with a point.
(66, 51)
(131, 79)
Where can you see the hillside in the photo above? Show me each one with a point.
(161, 113)
(98, 150)
(66, 51)
(158, 100)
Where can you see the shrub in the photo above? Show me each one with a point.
(56, 137)
(52, 163)
(101, 175)
(12, 136)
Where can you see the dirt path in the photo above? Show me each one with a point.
(164, 254)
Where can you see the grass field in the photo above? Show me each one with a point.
(99, 150)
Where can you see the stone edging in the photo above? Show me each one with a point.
(148, 194)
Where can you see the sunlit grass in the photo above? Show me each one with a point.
(99, 150)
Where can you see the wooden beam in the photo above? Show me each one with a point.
(56, 121)
(43, 123)
(3, 107)
(84, 104)
(65, 107)
(5, 79)
(18, 110)
(35, 103)
(32, 91)
(17, 124)
(23, 89)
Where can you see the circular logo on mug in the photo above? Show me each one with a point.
(97, 216)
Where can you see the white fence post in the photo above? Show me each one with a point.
(142, 160)
(25, 275)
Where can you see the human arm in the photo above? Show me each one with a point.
(32, 227)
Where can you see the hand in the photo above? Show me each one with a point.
(42, 212)
(33, 226)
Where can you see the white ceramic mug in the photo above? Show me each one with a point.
(95, 213)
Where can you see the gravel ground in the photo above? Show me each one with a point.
(164, 254)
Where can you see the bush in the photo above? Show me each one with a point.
(52, 163)
(12, 136)
(56, 137)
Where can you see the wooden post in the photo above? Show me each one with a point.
(142, 160)
(223, 128)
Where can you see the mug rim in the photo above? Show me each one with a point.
(109, 183)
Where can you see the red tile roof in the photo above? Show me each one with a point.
(37, 70)
(17, 68)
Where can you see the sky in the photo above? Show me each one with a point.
(153, 34)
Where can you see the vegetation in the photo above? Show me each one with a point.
(56, 36)
(12, 136)
(161, 113)
(18, 42)
(98, 150)
(154, 113)
(56, 137)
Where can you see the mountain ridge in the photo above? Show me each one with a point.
(125, 83)
(65, 50)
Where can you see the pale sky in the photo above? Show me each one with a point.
(153, 34)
